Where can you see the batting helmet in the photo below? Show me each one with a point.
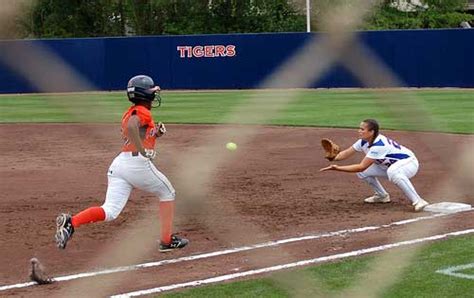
(141, 88)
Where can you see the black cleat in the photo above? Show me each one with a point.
(176, 243)
(64, 230)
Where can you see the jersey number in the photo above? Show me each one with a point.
(394, 144)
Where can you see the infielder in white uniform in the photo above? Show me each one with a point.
(383, 158)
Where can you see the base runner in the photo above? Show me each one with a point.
(132, 168)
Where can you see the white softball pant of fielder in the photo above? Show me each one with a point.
(399, 173)
(127, 172)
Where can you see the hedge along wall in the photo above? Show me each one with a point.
(420, 58)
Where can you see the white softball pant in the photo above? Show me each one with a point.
(127, 172)
(399, 173)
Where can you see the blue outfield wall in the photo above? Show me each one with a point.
(420, 58)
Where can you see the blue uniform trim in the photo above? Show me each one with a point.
(397, 156)
(362, 142)
(378, 143)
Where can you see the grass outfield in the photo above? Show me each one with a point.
(418, 280)
(451, 109)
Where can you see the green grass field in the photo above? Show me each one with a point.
(418, 280)
(452, 110)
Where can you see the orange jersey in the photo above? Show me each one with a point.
(147, 128)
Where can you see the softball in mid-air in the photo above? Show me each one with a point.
(231, 146)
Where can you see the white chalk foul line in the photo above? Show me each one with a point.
(452, 271)
(227, 251)
(290, 265)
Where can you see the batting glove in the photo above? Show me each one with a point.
(149, 153)
(161, 129)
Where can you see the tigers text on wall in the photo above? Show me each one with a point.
(207, 51)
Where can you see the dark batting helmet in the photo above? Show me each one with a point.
(142, 88)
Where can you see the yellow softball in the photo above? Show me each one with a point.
(231, 146)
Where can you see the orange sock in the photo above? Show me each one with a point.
(166, 220)
(92, 214)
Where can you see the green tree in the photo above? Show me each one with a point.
(215, 16)
(186, 17)
(255, 16)
(74, 18)
(432, 14)
(91, 18)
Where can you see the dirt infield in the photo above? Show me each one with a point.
(273, 183)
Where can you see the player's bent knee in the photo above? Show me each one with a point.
(111, 213)
(168, 197)
(396, 178)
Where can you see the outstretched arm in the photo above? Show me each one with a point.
(354, 168)
(345, 154)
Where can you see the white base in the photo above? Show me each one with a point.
(447, 207)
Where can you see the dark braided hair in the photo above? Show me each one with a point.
(372, 124)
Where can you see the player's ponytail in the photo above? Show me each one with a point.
(372, 124)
